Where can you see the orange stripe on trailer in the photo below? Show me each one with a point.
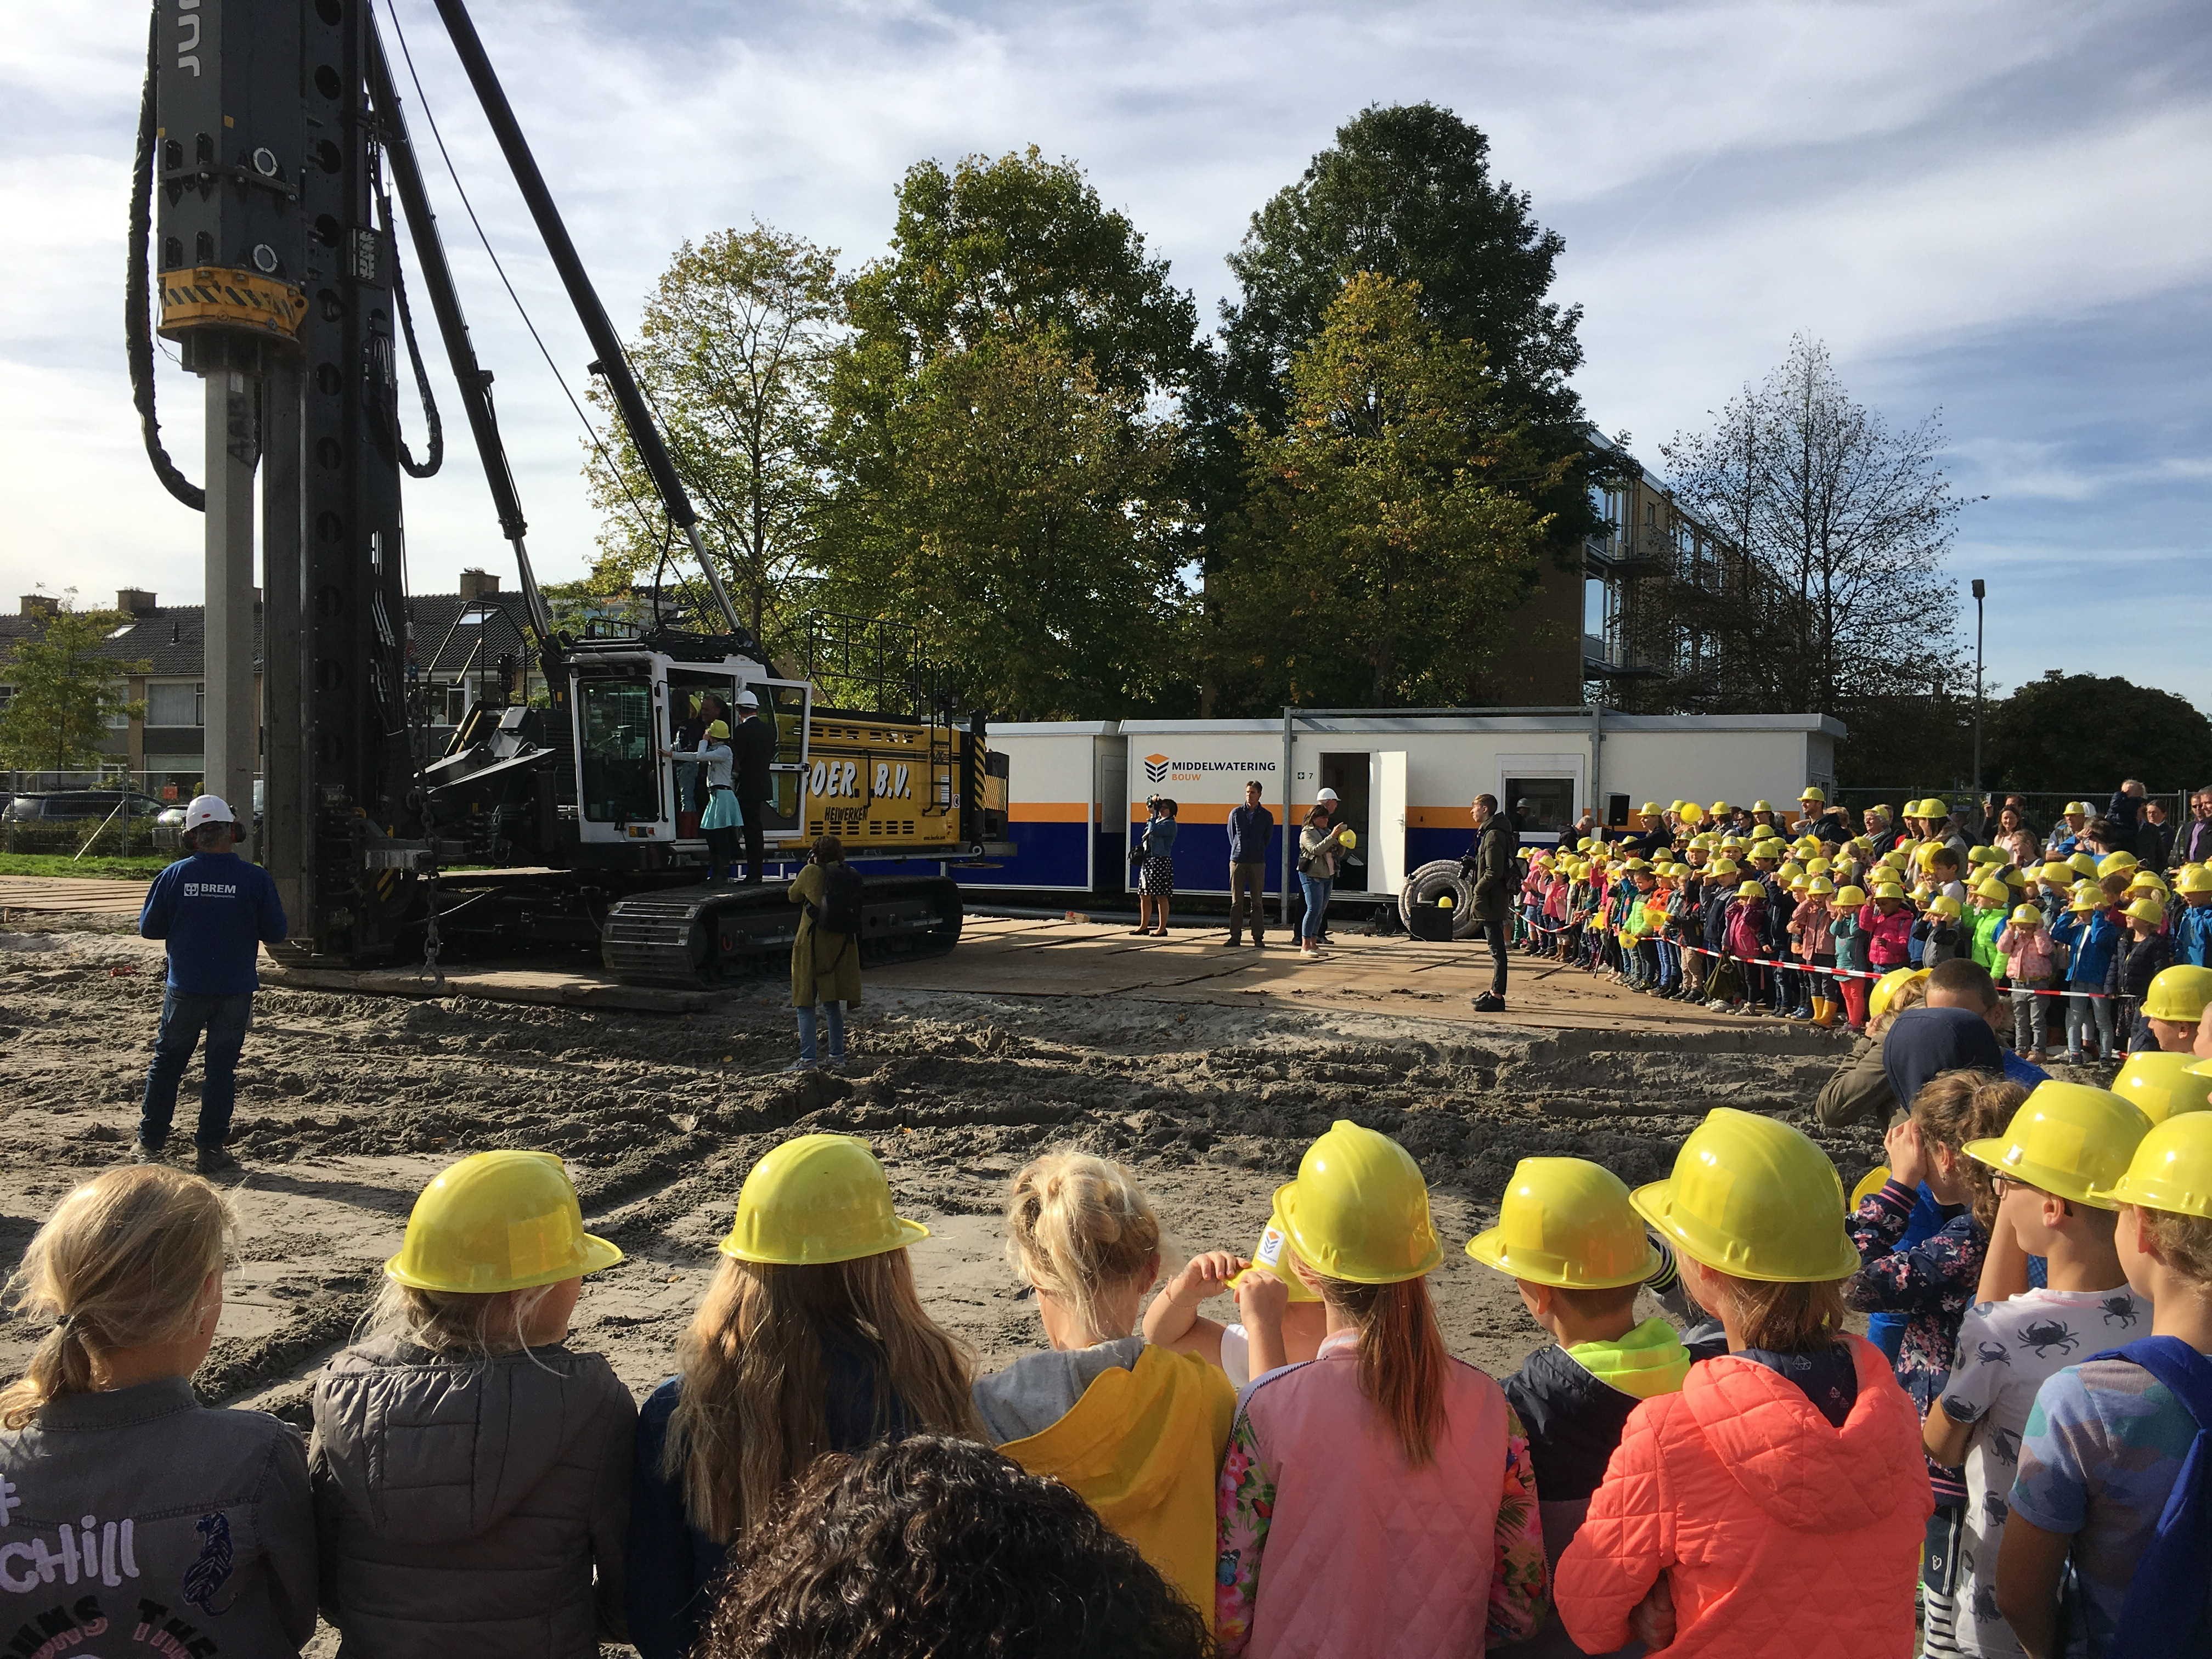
(1438, 817)
(1050, 811)
(1194, 811)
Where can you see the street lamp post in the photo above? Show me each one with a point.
(1980, 589)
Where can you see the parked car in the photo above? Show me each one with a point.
(49, 807)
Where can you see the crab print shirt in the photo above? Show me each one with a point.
(2006, 1349)
(1931, 1283)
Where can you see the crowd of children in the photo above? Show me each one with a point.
(1800, 915)
(1322, 1477)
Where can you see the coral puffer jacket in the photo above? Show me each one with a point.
(1779, 1534)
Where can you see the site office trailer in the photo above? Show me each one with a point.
(1066, 794)
(1405, 782)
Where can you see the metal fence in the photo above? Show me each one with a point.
(2041, 809)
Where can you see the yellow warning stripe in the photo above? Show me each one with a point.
(208, 296)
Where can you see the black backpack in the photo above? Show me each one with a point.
(844, 894)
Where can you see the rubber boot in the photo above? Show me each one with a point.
(1824, 1011)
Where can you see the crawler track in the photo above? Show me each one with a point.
(692, 937)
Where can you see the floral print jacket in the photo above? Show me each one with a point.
(1932, 1284)
(1520, 1579)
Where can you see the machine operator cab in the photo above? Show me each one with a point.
(630, 702)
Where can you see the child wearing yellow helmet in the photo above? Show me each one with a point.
(1847, 943)
(104, 1444)
(2145, 951)
(811, 1329)
(1137, 1428)
(2063, 1142)
(1383, 1423)
(2027, 957)
(2113, 1462)
(2089, 938)
(1814, 946)
(1752, 1453)
(2171, 1009)
(1578, 1253)
(464, 1400)
(2192, 920)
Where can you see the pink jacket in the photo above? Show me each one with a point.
(1778, 1534)
(1888, 937)
(2030, 955)
(1361, 1555)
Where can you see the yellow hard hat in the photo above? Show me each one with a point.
(2164, 1084)
(1762, 806)
(1851, 894)
(1985, 855)
(2014, 877)
(1348, 839)
(2086, 898)
(498, 1221)
(1883, 889)
(1567, 1221)
(1869, 1184)
(2026, 915)
(718, 728)
(1790, 870)
(1360, 1210)
(817, 1200)
(1723, 867)
(1274, 1255)
(2067, 1139)
(1806, 846)
(2147, 881)
(1814, 792)
(2057, 872)
(2193, 878)
(2076, 809)
(1751, 889)
(1886, 987)
(1819, 886)
(1994, 891)
(1720, 806)
(1944, 905)
(1650, 809)
(1751, 1196)
(2178, 993)
(2083, 864)
(2113, 864)
(1818, 866)
(1924, 853)
(2171, 1170)
(1897, 858)
(2149, 911)
(1443, 901)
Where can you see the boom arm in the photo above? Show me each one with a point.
(612, 363)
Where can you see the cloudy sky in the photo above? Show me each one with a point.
(1994, 208)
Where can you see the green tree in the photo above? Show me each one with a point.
(1000, 476)
(1406, 190)
(733, 350)
(1021, 518)
(2084, 733)
(1388, 533)
(65, 693)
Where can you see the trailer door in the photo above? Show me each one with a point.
(1388, 858)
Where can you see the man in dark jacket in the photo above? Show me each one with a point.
(1489, 865)
(752, 747)
(1251, 830)
(216, 911)
(2154, 836)
(2193, 844)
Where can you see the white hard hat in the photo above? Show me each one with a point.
(746, 700)
(1326, 795)
(208, 809)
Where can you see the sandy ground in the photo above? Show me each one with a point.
(348, 1104)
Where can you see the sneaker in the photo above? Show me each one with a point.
(143, 1151)
(803, 1066)
(1490, 1003)
(2072, 1060)
(1259, 944)
(216, 1161)
(834, 1063)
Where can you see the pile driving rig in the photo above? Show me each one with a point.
(271, 139)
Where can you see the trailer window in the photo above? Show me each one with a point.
(621, 779)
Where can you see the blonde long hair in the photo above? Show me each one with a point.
(119, 1264)
(1401, 1357)
(751, 1417)
(1078, 1226)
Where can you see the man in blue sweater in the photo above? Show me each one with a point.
(215, 910)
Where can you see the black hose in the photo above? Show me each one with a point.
(430, 422)
(137, 293)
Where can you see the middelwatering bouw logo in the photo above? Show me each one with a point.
(1158, 769)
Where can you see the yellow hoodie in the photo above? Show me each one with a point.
(1142, 1442)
